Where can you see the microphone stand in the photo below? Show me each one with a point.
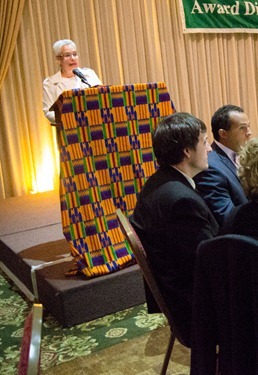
(81, 76)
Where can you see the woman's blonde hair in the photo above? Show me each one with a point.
(248, 170)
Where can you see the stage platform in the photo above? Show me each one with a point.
(32, 247)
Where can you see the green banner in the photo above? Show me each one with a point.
(218, 16)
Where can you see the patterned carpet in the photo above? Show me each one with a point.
(61, 345)
(142, 355)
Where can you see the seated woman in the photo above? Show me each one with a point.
(243, 219)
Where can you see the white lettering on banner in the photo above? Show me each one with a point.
(251, 8)
(215, 16)
(197, 7)
(217, 8)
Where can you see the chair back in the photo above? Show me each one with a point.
(29, 363)
(225, 306)
(142, 260)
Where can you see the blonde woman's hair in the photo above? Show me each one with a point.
(248, 170)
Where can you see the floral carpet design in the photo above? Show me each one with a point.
(59, 344)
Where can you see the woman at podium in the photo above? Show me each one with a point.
(69, 77)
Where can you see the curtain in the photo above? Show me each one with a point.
(124, 41)
(10, 18)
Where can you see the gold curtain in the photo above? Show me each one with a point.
(124, 41)
(10, 18)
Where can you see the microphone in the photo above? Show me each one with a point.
(79, 74)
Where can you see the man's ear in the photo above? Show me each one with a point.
(187, 153)
(222, 133)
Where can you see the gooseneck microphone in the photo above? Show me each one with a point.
(79, 74)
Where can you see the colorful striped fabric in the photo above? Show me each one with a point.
(106, 156)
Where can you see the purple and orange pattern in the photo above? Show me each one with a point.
(106, 156)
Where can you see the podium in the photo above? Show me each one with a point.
(106, 156)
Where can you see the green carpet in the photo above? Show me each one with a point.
(64, 344)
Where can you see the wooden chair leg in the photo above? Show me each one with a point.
(168, 354)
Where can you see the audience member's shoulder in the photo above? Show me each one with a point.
(249, 209)
(209, 175)
(231, 220)
(215, 161)
(213, 156)
(188, 200)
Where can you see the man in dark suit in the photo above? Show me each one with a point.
(170, 217)
(219, 185)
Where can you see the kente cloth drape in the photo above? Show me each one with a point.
(106, 156)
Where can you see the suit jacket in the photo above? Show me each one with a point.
(171, 219)
(54, 86)
(243, 220)
(219, 185)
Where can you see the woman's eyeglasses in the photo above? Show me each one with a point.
(69, 55)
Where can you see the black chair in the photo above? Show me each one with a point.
(144, 265)
(225, 307)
